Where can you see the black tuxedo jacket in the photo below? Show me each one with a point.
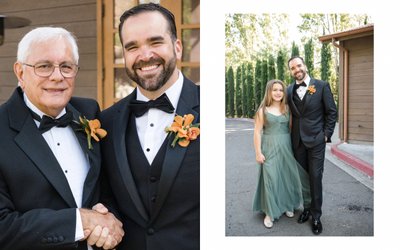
(175, 220)
(37, 208)
(317, 117)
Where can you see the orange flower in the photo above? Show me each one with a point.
(188, 119)
(311, 89)
(184, 130)
(193, 132)
(95, 130)
(92, 130)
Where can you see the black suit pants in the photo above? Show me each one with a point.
(312, 160)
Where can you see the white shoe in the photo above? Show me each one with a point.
(289, 214)
(267, 222)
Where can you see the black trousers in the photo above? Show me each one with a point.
(312, 160)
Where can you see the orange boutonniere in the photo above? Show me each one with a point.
(184, 130)
(92, 130)
(311, 89)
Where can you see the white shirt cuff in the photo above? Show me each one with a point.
(78, 228)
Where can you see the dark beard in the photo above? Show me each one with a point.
(160, 80)
(302, 76)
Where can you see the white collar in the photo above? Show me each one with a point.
(306, 80)
(38, 111)
(172, 92)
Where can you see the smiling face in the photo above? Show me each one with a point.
(150, 53)
(277, 92)
(49, 94)
(298, 69)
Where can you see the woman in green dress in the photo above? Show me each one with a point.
(283, 184)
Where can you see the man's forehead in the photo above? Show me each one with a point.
(296, 61)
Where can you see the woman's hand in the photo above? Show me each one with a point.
(260, 158)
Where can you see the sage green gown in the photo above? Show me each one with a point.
(282, 183)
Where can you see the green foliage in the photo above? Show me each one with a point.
(309, 56)
(281, 65)
(258, 82)
(326, 58)
(245, 95)
(238, 92)
(226, 93)
(271, 67)
(231, 91)
(295, 50)
(264, 79)
(250, 91)
(263, 40)
(249, 37)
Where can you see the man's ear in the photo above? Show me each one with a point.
(178, 49)
(19, 73)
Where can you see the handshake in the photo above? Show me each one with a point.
(100, 227)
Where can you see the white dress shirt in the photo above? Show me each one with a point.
(73, 161)
(151, 126)
(301, 91)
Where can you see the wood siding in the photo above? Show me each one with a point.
(77, 16)
(361, 89)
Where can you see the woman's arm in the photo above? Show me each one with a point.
(258, 126)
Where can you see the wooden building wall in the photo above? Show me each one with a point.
(361, 87)
(77, 16)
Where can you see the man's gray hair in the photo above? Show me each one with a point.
(41, 34)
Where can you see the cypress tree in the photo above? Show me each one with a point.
(245, 90)
(258, 82)
(238, 92)
(226, 94)
(231, 91)
(295, 50)
(264, 79)
(250, 91)
(280, 65)
(325, 62)
(271, 67)
(309, 56)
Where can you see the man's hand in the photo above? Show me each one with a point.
(100, 208)
(101, 228)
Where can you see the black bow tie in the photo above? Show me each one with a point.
(296, 86)
(139, 108)
(47, 122)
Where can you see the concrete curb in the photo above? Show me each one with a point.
(353, 161)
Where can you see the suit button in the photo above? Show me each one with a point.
(150, 231)
(60, 238)
(153, 179)
(153, 198)
(50, 239)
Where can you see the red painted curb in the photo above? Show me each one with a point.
(353, 161)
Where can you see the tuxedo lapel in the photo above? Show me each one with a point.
(35, 147)
(188, 102)
(92, 154)
(307, 95)
(292, 92)
(119, 132)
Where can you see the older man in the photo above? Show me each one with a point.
(49, 165)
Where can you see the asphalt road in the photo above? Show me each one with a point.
(348, 205)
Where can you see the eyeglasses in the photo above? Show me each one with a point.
(67, 70)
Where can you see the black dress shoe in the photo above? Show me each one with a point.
(304, 216)
(316, 226)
